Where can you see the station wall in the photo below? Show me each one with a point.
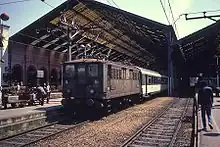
(25, 60)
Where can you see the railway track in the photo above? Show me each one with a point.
(33, 136)
(162, 130)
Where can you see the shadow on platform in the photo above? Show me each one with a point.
(213, 134)
(216, 107)
(49, 108)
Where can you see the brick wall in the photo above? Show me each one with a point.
(27, 55)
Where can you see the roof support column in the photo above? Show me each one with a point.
(169, 38)
(69, 36)
(69, 48)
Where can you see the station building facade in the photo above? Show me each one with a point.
(25, 60)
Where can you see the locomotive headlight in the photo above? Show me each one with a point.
(96, 82)
(68, 90)
(91, 91)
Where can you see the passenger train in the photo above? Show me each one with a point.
(152, 82)
(102, 84)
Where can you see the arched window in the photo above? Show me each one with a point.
(44, 79)
(17, 73)
(31, 76)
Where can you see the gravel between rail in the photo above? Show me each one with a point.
(112, 130)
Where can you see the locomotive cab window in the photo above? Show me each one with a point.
(69, 71)
(93, 70)
(81, 70)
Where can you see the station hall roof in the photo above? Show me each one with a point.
(130, 37)
(200, 49)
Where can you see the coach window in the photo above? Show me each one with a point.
(120, 74)
(116, 73)
(123, 73)
(112, 73)
(162, 81)
(127, 75)
(158, 80)
(69, 71)
(149, 79)
(109, 71)
(131, 74)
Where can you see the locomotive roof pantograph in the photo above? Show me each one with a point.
(100, 31)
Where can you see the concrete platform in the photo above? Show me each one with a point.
(210, 138)
(13, 121)
(11, 99)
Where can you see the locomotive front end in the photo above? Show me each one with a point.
(82, 84)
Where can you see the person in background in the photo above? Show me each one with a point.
(18, 88)
(205, 99)
(48, 92)
(41, 94)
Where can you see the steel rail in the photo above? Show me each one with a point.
(152, 121)
(50, 135)
(44, 136)
(172, 143)
(133, 137)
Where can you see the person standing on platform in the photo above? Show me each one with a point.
(41, 94)
(48, 92)
(205, 99)
(18, 88)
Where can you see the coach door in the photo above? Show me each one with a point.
(146, 84)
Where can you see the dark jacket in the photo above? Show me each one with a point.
(205, 96)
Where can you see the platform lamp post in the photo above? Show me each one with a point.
(217, 72)
(3, 17)
(217, 68)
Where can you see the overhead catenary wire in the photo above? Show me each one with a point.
(115, 4)
(19, 1)
(174, 24)
(164, 12)
(210, 11)
(48, 4)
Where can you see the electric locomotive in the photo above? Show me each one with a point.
(97, 83)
